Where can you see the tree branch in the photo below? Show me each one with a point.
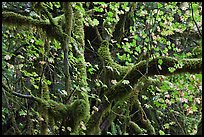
(11, 18)
(194, 19)
(121, 90)
(16, 93)
(14, 19)
(105, 56)
(65, 42)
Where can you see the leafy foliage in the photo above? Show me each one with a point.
(118, 38)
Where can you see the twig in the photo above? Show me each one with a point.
(194, 19)
(16, 93)
(98, 34)
(178, 123)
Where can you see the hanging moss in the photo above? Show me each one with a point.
(15, 19)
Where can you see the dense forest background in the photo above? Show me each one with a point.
(115, 68)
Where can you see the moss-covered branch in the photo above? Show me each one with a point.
(80, 64)
(105, 56)
(68, 21)
(93, 126)
(11, 18)
(121, 89)
(137, 129)
(5, 87)
(15, 19)
(74, 112)
(133, 73)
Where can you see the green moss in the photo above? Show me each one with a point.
(197, 51)
(24, 22)
(78, 111)
(93, 126)
(107, 60)
(14, 19)
(56, 109)
(137, 129)
(192, 63)
(150, 129)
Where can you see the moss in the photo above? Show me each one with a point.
(197, 51)
(20, 21)
(105, 56)
(193, 64)
(55, 32)
(93, 126)
(137, 129)
(56, 109)
(78, 27)
(80, 110)
(15, 19)
(150, 129)
(77, 111)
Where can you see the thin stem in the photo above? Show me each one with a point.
(194, 20)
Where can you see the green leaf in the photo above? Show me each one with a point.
(171, 69)
(125, 82)
(110, 14)
(160, 61)
(95, 22)
(39, 42)
(166, 126)
(22, 113)
(97, 84)
(157, 103)
(161, 132)
(194, 108)
(20, 57)
(36, 87)
(144, 97)
(91, 70)
(49, 82)
(159, 5)
(138, 49)
(51, 60)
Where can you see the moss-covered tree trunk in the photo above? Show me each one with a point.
(80, 65)
(43, 87)
(65, 43)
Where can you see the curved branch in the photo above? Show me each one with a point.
(105, 56)
(48, 14)
(133, 73)
(120, 90)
